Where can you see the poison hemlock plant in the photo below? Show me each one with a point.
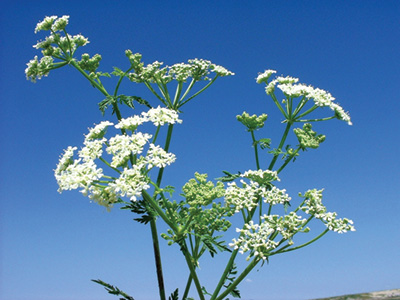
(120, 163)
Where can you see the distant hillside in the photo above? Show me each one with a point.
(381, 295)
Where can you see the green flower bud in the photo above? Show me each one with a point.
(253, 122)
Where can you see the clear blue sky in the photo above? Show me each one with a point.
(52, 244)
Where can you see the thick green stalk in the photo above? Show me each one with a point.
(166, 147)
(157, 258)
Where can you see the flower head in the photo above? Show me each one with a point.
(263, 77)
(161, 115)
(98, 131)
(46, 24)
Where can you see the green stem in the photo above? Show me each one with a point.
(94, 83)
(288, 160)
(166, 148)
(225, 274)
(187, 90)
(157, 258)
(187, 288)
(155, 93)
(307, 112)
(234, 284)
(255, 145)
(177, 93)
(159, 211)
(317, 120)
(192, 269)
(285, 134)
(303, 245)
(300, 106)
(279, 106)
(202, 90)
(120, 80)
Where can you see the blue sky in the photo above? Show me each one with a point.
(52, 244)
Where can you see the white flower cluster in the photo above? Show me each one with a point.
(76, 175)
(249, 194)
(242, 197)
(52, 23)
(289, 86)
(263, 77)
(313, 205)
(255, 238)
(37, 69)
(131, 183)
(275, 196)
(262, 177)
(160, 116)
(122, 146)
(158, 157)
(198, 69)
(98, 131)
(258, 238)
(83, 173)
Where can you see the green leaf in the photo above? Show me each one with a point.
(264, 143)
(232, 271)
(121, 99)
(174, 295)
(140, 207)
(113, 290)
(228, 176)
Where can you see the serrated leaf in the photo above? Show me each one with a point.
(228, 176)
(113, 290)
(174, 295)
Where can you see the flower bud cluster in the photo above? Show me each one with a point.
(125, 149)
(253, 122)
(199, 213)
(37, 69)
(307, 137)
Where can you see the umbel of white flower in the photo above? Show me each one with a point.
(275, 232)
(132, 157)
(292, 89)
